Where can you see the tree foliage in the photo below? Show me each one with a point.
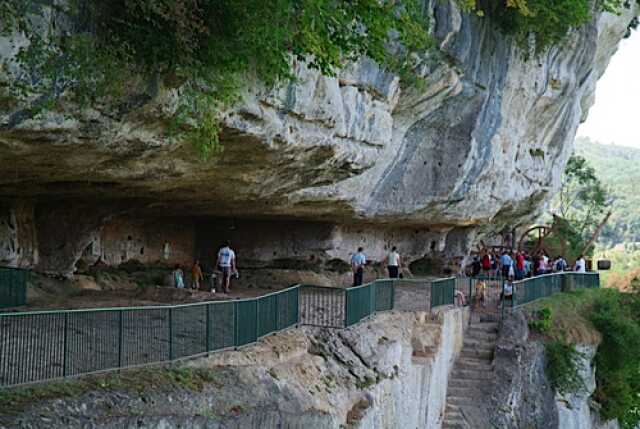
(208, 48)
(580, 205)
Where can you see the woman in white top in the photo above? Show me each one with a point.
(393, 263)
(581, 265)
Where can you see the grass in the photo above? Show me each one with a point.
(570, 315)
(139, 381)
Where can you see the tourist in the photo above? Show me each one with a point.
(506, 263)
(481, 292)
(178, 277)
(561, 264)
(460, 298)
(486, 264)
(520, 266)
(541, 267)
(476, 267)
(196, 275)
(507, 290)
(528, 266)
(358, 261)
(393, 263)
(581, 265)
(494, 264)
(227, 265)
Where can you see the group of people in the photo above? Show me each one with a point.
(359, 261)
(519, 264)
(225, 265)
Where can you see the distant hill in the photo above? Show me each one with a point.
(618, 167)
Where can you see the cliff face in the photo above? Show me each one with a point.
(389, 372)
(521, 395)
(485, 142)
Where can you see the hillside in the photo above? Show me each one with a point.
(617, 167)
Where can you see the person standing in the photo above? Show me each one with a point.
(581, 265)
(393, 263)
(358, 261)
(506, 262)
(178, 277)
(486, 264)
(227, 265)
(520, 265)
(196, 275)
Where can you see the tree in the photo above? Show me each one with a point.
(582, 199)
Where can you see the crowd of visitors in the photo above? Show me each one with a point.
(509, 266)
(520, 264)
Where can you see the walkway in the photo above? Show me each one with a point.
(473, 368)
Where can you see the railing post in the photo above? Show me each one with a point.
(64, 349)
(207, 328)
(393, 294)
(346, 307)
(235, 325)
(120, 337)
(257, 324)
(170, 333)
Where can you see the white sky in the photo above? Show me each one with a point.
(615, 117)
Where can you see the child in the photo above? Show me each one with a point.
(178, 277)
(481, 292)
(196, 273)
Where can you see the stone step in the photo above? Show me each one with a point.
(452, 409)
(478, 344)
(454, 420)
(465, 382)
(462, 400)
(481, 335)
(447, 425)
(463, 392)
(473, 365)
(464, 374)
(484, 327)
(475, 353)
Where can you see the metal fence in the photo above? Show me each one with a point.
(534, 288)
(44, 345)
(13, 287)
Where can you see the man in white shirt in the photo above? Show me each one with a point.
(227, 264)
(358, 261)
(581, 265)
(393, 263)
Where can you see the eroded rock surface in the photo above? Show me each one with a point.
(389, 372)
(484, 143)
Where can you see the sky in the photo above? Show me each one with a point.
(615, 116)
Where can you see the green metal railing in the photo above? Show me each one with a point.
(44, 345)
(534, 288)
(443, 292)
(13, 287)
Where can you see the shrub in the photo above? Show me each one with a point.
(617, 316)
(563, 364)
(208, 48)
(542, 320)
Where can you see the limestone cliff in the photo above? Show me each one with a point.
(486, 141)
(389, 372)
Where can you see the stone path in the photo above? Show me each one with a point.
(473, 368)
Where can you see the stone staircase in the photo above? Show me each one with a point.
(472, 370)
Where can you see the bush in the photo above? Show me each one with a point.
(542, 320)
(617, 316)
(563, 365)
(209, 48)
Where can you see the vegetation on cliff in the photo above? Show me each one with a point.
(91, 51)
(611, 318)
